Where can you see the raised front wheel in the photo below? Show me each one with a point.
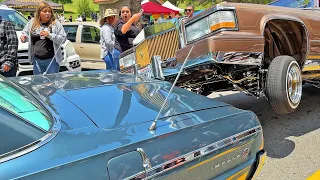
(284, 84)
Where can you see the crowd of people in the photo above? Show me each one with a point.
(45, 34)
(119, 31)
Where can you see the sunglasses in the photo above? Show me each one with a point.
(188, 10)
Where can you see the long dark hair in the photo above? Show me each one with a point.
(123, 7)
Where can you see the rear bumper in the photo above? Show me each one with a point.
(249, 172)
(261, 158)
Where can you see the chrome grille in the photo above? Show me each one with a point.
(23, 57)
(165, 45)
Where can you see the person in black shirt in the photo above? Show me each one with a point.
(70, 18)
(45, 34)
(125, 30)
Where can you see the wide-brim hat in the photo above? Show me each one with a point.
(107, 13)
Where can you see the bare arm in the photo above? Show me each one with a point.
(125, 28)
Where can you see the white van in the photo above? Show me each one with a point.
(71, 61)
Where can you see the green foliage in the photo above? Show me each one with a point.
(174, 2)
(306, 1)
(84, 7)
(63, 1)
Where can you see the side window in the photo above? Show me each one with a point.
(22, 119)
(15, 133)
(90, 34)
(72, 32)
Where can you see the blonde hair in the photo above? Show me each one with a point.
(37, 22)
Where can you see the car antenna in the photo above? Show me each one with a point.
(55, 54)
(154, 123)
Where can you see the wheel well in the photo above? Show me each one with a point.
(285, 37)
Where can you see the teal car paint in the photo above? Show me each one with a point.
(100, 130)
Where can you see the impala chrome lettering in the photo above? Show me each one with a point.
(223, 163)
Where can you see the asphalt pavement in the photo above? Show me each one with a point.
(292, 141)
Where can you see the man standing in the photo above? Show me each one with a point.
(161, 19)
(189, 11)
(8, 49)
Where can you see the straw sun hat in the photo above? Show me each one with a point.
(107, 13)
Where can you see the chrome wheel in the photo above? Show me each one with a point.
(294, 84)
(284, 84)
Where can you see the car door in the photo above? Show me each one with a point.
(72, 34)
(90, 47)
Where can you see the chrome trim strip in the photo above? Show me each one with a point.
(314, 40)
(186, 158)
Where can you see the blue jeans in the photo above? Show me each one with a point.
(40, 66)
(112, 63)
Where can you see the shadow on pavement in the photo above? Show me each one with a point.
(279, 128)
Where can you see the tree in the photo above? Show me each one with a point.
(174, 2)
(63, 2)
(84, 7)
(135, 6)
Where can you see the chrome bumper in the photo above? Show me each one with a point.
(260, 162)
(171, 67)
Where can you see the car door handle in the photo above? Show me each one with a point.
(81, 47)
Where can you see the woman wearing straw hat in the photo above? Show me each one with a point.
(109, 52)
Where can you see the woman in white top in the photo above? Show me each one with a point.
(109, 53)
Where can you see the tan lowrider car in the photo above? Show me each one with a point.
(85, 37)
(261, 50)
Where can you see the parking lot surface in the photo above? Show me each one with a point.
(292, 141)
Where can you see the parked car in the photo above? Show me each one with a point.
(85, 37)
(71, 60)
(102, 125)
(261, 50)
